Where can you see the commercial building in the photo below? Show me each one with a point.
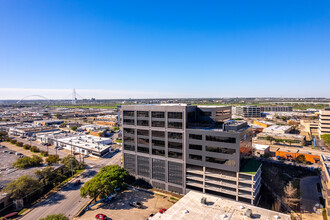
(283, 139)
(324, 121)
(180, 148)
(260, 149)
(49, 122)
(325, 181)
(199, 206)
(30, 130)
(248, 111)
(276, 108)
(278, 129)
(294, 153)
(264, 124)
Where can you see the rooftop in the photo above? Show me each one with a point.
(251, 166)
(260, 146)
(278, 128)
(190, 207)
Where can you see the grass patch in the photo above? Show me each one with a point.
(119, 141)
(324, 214)
(22, 211)
(175, 199)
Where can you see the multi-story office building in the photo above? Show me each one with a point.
(325, 180)
(181, 148)
(324, 121)
(276, 109)
(248, 111)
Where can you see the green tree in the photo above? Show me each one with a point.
(13, 141)
(26, 162)
(290, 142)
(270, 139)
(301, 158)
(3, 135)
(73, 128)
(52, 159)
(326, 139)
(34, 149)
(63, 125)
(105, 182)
(56, 217)
(49, 176)
(22, 187)
(71, 164)
(19, 144)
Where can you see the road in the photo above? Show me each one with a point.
(68, 201)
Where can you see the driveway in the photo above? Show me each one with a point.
(310, 202)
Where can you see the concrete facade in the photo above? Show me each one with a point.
(248, 111)
(324, 121)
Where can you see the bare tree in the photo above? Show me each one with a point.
(277, 205)
(290, 195)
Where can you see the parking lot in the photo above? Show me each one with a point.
(119, 208)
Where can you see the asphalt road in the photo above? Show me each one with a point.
(68, 201)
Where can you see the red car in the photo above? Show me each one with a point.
(101, 217)
(162, 211)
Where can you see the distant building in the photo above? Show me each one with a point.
(276, 109)
(264, 124)
(294, 153)
(278, 129)
(285, 139)
(248, 111)
(324, 121)
(260, 149)
(179, 148)
(49, 122)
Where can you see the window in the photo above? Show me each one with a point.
(195, 157)
(175, 173)
(128, 121)
(176, 125)
(129, 147)
(196, 136)
(175, 115)
(175, 155)
(202, 113)
(128, 131)
(143, 166)
(143, 122)
(158, 152)
(158, 169)
(221, 139)
(143, 132)
(128, 113)
(220, 150)
(175, 135)
(129, 162)
(160, 124)
(220, 161)
(175, 145)
(144, 141)
(158, 114)
(195, 147)
(128, 139)
(144, 150)
(160, 134)
(158, 143)
(143, 114)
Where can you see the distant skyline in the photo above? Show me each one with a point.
(164, 49)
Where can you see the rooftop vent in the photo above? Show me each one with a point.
(248, 213)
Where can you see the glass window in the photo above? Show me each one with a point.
(129, 131)
(175, 135)
(175, 173)
(220, 161)
(143, 114)
(143, 166)
(221, 139)
(220, 150)
(175, 145)
(176, 125)
(160, 124)
(158, 152)
(158, 169)
(202, 113)
(195, 147)
(143, 132)
(143, 122)
(176, 115)
(128, 113)
(158, 143)
(195, 157)
(196, 136)
(128, 121)
(160, 134)
(158, 114)
(129, 147)
(175, 155)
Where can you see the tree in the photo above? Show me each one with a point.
(56, 217)
(326, 139)
(51, 159)
(22, 187)
(63, 125)
(3, 135)
(26, 162)
(49, 176)
(270, 139)
(34, 149)
(71, 164)
(290, 195)
(73, 128)
(13, 141)
(26, 146)
(301, 158)
(19, 144)
(105, 182)
(290, 142)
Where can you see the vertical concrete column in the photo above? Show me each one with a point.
(237, 185)
(204, 170)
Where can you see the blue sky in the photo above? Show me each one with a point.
(123, 49)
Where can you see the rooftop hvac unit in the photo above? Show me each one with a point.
(248, 213)
(203, 201)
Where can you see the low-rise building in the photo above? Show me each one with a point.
(294, 153)
(276, 108)
(283, 139)
(278, 129)
(30, 130)
(248, 111)
(196, 205)
(264, 124)
(260, 149)
(49, 122)
(324, 122)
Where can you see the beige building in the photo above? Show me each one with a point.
(324, 121)
(283, 139)
(325, 180)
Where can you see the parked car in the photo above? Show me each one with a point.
(117, 150)
(150, 216)
(161, 211)
(136, 204)
(101, 217)
(43, 144)
(18, 153)
(48, 145)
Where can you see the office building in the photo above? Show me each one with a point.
(325, 181)
(180, 148)
(248, 111)
(276, 108)
(324, 121)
